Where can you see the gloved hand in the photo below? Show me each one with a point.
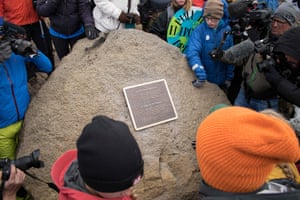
(91, 32)
(216, 54)
(200, 72)
(227, 84)
(5, 50)
(272, 75)
(123, 18)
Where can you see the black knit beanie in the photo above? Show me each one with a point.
(289, 43)
(109, 157)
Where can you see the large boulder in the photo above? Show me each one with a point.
(89, 82)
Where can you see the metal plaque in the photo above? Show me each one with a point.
(150, 104)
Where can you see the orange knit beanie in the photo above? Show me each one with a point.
(237, 148)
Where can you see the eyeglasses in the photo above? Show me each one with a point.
(279, 22)
(212, 19)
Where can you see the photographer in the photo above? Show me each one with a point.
(13, 184)
(23, 13)
(14, 94)
(255, 91)
(287, 85)
(110, 15)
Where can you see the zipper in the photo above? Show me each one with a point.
(12, 91)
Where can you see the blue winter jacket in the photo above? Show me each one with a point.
(201, 42)
(14, 94)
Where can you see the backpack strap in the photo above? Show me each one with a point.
(170, 13)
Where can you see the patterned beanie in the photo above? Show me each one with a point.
(237, 148)
(109, 157)
(289, 12)
(214, 8)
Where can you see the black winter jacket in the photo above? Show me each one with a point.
(66, 16)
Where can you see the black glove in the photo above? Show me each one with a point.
(216, 54)
(23, 48)
(272, 75)
(5, 50)
(91, 32)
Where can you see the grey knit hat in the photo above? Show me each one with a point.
(289, 12)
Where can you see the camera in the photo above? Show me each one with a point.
(16, 36)
(131, 18)
(23, 47)
(263, 47)
(266, 63)
(249, 16)
(22, 163)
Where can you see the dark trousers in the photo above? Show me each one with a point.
(235, 86)
(64, 46)
(39, 33)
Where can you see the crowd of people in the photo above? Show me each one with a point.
(266, 59)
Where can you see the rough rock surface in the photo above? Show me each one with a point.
(89, 83)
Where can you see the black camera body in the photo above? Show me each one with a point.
(22, 163)
(16, 36)
(269, 62)
(264, 48)
(23, 47)
(247, 13)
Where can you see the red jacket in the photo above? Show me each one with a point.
(58, 171)
(198, 3)
(19, 12)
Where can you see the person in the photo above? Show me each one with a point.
(287, 87)
(106, 164)
(111, 15)
(160, 25)
(255, 92)
(13, 184)
(23, 13)
(237, 148)
(149, 10)
(14, 93)
(286, 172)
(284, 76)
(69, 21)
(204, 39)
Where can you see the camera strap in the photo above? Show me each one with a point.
(50, 184)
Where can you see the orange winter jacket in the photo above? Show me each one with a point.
(20, 12)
